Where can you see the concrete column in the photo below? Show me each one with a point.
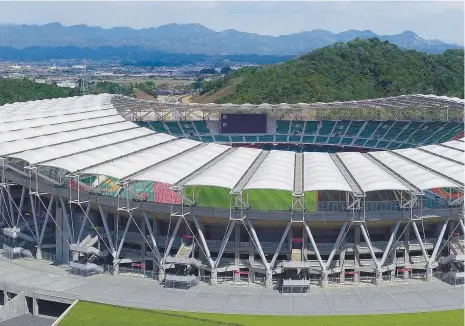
(39, 252)
(35, 307)
(356, 253)
(324, 280)
(406, 248)
(342, 255)
(143, 243)
(269, 280)
(378, 277)
(116, 266)
(429, 272)
(62, 236)
(237, 244)
(251, 252)
(214, 277)
(161, 275)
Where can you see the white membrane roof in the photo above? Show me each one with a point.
(275, 172)
(436, 163)
(87, 135)
(368, 175)
(321, 173)
(419, 177)
(227, 172)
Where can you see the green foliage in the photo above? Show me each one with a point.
(225, 70)
(148, 87)
(21, 90)
(87, 313)
(111, 88)
(355, 70)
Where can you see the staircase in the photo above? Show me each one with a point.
(184, 251)
(296, 255)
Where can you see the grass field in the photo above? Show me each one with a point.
(86, 313)
(267, 200)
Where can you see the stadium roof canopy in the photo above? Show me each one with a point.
(86, 135)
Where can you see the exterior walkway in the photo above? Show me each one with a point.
(47, 279)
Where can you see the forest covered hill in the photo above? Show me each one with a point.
(359, 69)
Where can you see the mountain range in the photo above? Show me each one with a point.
(198, 39)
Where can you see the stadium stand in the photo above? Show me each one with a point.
(370, 134)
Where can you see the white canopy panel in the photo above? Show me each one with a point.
(97, 156)
(321, 173)
(443, 166)
(134, 163)
(21, 111)
(275, 172)
(445, 152)
(456, 144)
(368, 175)
(60, 137)
(26, 124)
(181, 166)
(419, 177)
(61, 127)
(48, 153)
(227, 172)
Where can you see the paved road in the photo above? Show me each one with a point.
(397, 298)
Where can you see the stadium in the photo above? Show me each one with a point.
(285, 196)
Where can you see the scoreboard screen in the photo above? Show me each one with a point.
(243, 123)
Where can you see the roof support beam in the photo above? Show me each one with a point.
(179, 184)
(299, 174)
(132, 175)
(347, 175)
(393, 174)
(426, 167)
(439, 155)
(249, 173)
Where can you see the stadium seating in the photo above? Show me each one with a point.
(373, 134)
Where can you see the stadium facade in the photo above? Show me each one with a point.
(106, 183)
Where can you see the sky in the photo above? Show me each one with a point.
(443, 20)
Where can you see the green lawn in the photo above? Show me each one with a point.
(267, 200)
(86, 313)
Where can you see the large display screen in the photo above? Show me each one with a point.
(243, 123)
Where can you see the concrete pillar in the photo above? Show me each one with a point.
(324, 279)
(214, 277)
(35, 307)
(161, 275)
(406, 249)
(237, 244)
(251, 252)
(378, 277)
(356, 253)
(342, 255)
(143, 243)
(39, 252)
(269, 280)
(61, 236)
(429, 273)
(289, 252)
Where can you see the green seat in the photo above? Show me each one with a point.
(359, 142)
(308, 139)
(207, 139)
(311, 127)
(250, 139)
(174, 128)
(297, 127)
(321, 140)
(222, 139)
(326, 127)
(341, 128)
(295, 138)
(266, 139)
(369, 129)
(201, 126)
(237, 139)
(382, 144)
(159, 126)
(282, 127)
(408, 131)
(334, 140)
(383, 129)
(188, 128)
(395, 130)
(346, 141)
(354, 128)
(371, 143)
(281, 139)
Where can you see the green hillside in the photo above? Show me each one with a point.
(355, 70)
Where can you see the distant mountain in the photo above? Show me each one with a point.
(198, 39)
(133, 55)
(354, 70)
